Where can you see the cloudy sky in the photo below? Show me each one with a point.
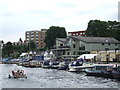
(18, 16)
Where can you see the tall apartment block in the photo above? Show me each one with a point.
(36, 36)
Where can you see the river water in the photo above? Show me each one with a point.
(52, 78)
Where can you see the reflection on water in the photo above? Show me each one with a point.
(52, 78)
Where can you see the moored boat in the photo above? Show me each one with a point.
(46, 64)
(54, 64)
(116, 72)
(63, 67)
(74, 66)
(98, 70)
(33, 64)
(79, 66)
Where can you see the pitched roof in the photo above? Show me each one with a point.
(64, 40)
(96, 39)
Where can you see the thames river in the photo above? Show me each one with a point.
(52, 78)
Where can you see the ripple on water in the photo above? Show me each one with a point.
(52, 78)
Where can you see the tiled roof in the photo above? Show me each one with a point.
(96, 39)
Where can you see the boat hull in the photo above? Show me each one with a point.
(22, 76)
(94, 73)
(116, 74)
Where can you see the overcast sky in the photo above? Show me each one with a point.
(18, 16)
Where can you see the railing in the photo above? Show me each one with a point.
(82, 48)
(64, 47)
(60, 47)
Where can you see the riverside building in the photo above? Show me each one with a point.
(78, 45)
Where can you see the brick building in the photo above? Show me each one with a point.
(36, 36)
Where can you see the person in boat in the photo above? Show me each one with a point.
(21, 72)
(18, 71)
(13, 73)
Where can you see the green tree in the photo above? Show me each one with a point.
(52, 33)
(99, 28)
(12, 50)
(31, 46)
(7, 50)
(20, 39)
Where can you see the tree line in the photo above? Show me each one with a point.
(14, 51)
(96, 28)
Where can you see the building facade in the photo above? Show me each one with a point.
(112, 55)
(77, 33)
(62, 45)
(37, 37)
(88, 44)
(77, 45)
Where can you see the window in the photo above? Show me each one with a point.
(36, 38)
(76, 33)
(36, 32)
(115, 43)
(28, 33)
(79, 53)
(73, 34)
(68, 53)
(32, 38)
(61, 44)
(32, 35)
(63, 53)
(73, 45)
(109, 44)
(32, 32)
(74, 53)
(28, 36)
(103, 44)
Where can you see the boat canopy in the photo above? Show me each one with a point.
(89, 56)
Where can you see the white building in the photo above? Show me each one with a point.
(49, 55)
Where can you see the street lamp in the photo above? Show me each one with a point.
(107, 56)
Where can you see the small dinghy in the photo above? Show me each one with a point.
(17, 74)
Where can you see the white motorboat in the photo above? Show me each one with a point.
(79, 66)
